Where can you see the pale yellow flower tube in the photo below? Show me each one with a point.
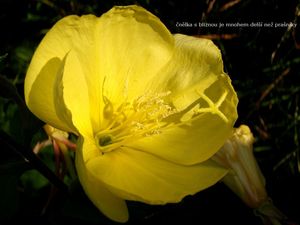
(245, 178)
(149, 108)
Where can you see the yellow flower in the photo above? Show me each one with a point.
(150, 108)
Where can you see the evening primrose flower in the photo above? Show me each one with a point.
(149, 108)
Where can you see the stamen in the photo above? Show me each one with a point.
(108, 108)
(145, 116)
(130, 121)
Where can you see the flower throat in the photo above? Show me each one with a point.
(131, 121)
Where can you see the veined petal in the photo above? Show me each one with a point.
(42, 99)
(121, 51)
(71, 32)
(74, 92)
(196, 64)
(204, 98)
(109, 204)
(58, 41)
(187, 143)
(134, 45)
(139, 176)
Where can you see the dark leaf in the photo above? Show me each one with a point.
(9, 176)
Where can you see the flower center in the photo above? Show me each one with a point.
(105, 140)
(131, 121)
(147, 114)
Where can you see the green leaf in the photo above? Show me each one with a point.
(9, 176)
(8, 90)
(33, 180)
(15, 118)
(10, 119)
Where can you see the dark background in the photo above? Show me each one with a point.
(262, 62)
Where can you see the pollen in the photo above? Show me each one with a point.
(143, 117)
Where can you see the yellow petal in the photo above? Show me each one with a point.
(196, 64)
(59, 40)
(133, 46)
(71, 32)
(42, 100)
(187, 144)
(204, 98)
(120, 51)
(74, 94)
(109, 204)
(139, 176)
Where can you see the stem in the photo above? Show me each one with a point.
(68, 161)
